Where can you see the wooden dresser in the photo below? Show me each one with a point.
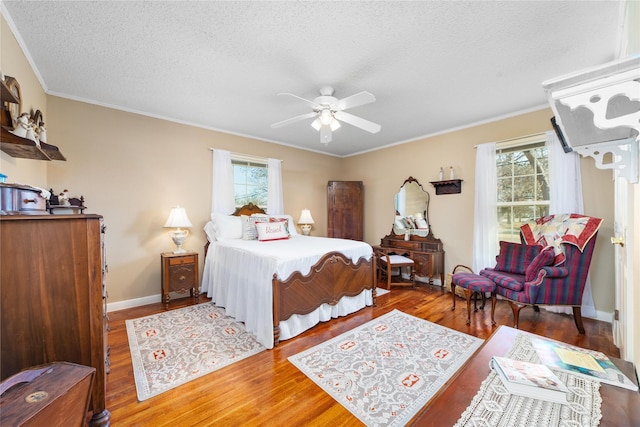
(426, 252)
(345, 210)
(52, 297)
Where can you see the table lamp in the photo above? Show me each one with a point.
(305, 221)
(177, 220)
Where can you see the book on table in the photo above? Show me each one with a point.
(582, 362)
(528, 379)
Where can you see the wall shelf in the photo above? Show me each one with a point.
(450, 186)
(24, 148)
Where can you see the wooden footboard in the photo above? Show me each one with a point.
(331, 278)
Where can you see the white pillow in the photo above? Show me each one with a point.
(210, 231)
(272, 231)
(290, 224)
(227, 226)
(249, 231)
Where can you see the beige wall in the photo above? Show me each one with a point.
(13, 63)
(132, 169)
(451, 215)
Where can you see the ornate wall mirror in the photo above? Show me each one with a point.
(411, 209)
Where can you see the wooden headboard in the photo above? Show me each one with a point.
(248, 210)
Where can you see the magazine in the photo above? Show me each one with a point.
(530, 380)
(589, 364)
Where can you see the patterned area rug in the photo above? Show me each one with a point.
(174, 347)
(387, 369)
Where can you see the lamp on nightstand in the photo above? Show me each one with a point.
(305, 221)
(177, 220)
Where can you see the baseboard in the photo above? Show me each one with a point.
(130, 303)
(604, 316)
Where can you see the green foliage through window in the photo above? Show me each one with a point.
(523, 187)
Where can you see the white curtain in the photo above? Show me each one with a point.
(222, 195)
(485, 227)
(565, 196)
(275, 199)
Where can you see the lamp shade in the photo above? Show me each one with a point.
(177, 218)
(305, 217)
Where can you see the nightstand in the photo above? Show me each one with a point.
(179, 274)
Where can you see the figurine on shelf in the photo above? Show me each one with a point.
(441, 176)
(22, 126)
(32, 135)
(452, 174)
(64, 199)
(42, 133)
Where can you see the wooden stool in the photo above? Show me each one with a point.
(473, 283)
(386, 262)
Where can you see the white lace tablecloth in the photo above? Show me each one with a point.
(493, 405)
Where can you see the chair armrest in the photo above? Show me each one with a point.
(555, 272)
(548, 273)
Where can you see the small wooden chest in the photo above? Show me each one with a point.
(57, 394)
(18, 199)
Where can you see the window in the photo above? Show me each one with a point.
(250, 182)
(523, 185)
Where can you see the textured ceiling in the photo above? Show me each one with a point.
(433, 66)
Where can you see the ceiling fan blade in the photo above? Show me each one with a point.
(294, 119)
(357, 121)
(356, 100)
(325, 134)
(298, 97)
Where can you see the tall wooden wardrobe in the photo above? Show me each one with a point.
(345, 205)
(52, 290)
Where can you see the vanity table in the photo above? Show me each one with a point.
(411, 234)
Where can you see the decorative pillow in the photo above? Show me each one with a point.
(249, 231)
(227, 226)
(544, 258)
(516, 257)
(291, 226)
(272, 230)
(285, 221)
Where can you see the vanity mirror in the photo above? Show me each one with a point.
(411, 208)
(412, 233)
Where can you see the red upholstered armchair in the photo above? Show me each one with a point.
(550, 267)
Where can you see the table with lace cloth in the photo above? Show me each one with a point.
(493, 405)
(470, 398)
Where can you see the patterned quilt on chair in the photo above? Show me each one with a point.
(553, 230)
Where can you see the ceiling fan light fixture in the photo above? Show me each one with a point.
(326, 117)
(328, 113)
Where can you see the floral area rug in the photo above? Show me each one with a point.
(387, 369)
(174, 347)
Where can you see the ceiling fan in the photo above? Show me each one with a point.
(329, 111)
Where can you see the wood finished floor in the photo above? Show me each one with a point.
(267, 390)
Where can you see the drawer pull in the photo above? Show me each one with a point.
(182, 278)
(29, 201)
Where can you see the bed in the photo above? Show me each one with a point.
(280, 288)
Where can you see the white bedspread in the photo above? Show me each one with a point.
(238, 276)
